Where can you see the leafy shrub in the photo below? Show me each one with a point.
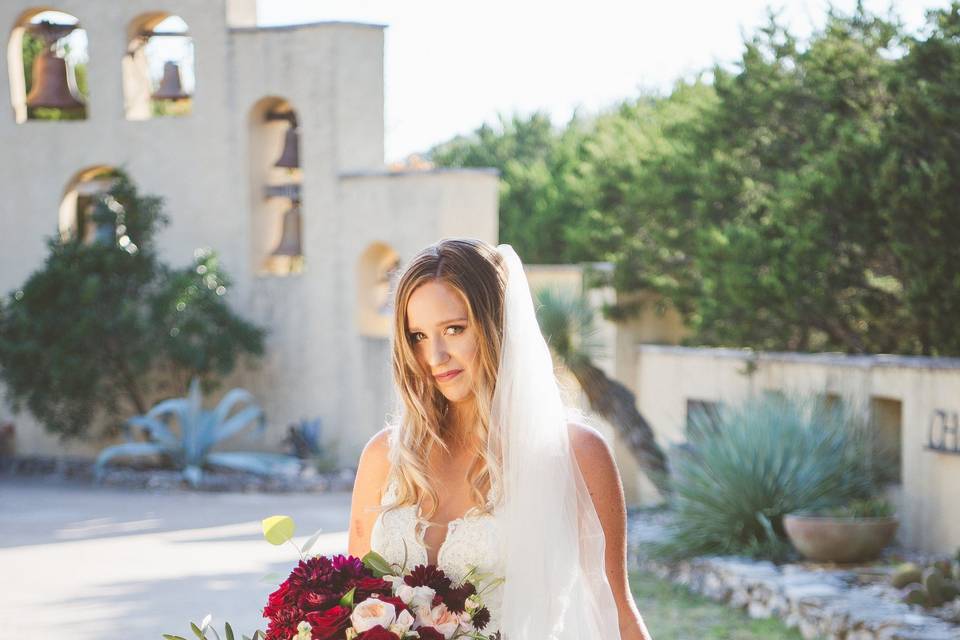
(739, 474)
(103, 329)
(190, 449)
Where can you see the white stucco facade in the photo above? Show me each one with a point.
(209, 168)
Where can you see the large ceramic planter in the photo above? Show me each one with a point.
(839, 539)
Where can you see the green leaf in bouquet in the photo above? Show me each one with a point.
(347, 599)
(312, 540)
(377, 563)
(197, 632)
(228, 630)
(278, 529)
(170, 636)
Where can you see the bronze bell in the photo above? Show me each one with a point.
(290, 158)
(289, 244)
(50, 86)
(170, 86)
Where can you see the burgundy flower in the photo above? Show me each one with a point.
(456, 598)
(428, 575)
(378, 633)
(481, 617)
(429, 633)
(315, 601)
(284, 624)
(367, 587)
(329, 624)
(278, 600)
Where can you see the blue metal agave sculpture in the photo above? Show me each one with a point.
(200, 431)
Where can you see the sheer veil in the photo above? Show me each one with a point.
(556, 586)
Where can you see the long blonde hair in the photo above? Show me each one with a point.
(477, 271)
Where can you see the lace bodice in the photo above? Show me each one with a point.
(471, 540)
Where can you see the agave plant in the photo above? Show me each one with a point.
(733, 481)
(200, 431)
(567, 322)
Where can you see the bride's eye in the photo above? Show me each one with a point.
(460, 329)
(413, 337)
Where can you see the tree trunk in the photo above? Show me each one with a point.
(618, 406)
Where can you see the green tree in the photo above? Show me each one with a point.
(919, 183)
(106, 328)
(756, 212)
(532, 157)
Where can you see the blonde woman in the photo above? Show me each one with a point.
(485, 467)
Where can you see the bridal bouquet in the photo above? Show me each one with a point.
(347, 598)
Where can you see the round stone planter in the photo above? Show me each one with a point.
(833, 539)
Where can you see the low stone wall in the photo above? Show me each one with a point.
(837, 604)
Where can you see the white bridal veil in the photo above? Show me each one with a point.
(556, 587)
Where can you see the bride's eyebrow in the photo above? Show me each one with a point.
(440, 324)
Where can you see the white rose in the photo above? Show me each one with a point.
(416, 596)
(439, 617)
(372, 612)
(403, 623)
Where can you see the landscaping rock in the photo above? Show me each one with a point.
(819, 600)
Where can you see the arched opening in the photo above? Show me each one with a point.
(158, 67)
(83, 193)
(277, 223)
(47, 65)
(377, 271)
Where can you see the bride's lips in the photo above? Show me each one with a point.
(450, 375)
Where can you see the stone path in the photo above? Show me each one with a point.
(109, 564)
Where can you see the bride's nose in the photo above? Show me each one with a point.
(437, 353)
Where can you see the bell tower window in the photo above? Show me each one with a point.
(47, 64)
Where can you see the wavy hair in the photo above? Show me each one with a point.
(477, 271)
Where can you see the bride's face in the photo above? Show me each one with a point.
(442, 337)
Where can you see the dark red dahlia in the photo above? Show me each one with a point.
(329, 624)
(428, 575)
(283, 625)
(456, 598)
(481, 618)
(429, 633)
(367, 587)
(315, 601)
(378, 633)
(279, 599)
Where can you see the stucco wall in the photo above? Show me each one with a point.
(666, 377)
(317, 364)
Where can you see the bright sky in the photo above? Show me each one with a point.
(450, 66)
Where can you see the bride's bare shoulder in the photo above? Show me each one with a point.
(374, 464)
(594, 457)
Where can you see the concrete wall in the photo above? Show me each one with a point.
(911, 390)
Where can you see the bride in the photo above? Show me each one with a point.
(485, 466)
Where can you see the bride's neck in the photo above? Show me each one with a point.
(460, 424)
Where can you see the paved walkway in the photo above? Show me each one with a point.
(110, 564)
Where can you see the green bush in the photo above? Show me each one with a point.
(103, 329)
(742, 471)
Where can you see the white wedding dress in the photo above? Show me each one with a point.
(472, 540)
